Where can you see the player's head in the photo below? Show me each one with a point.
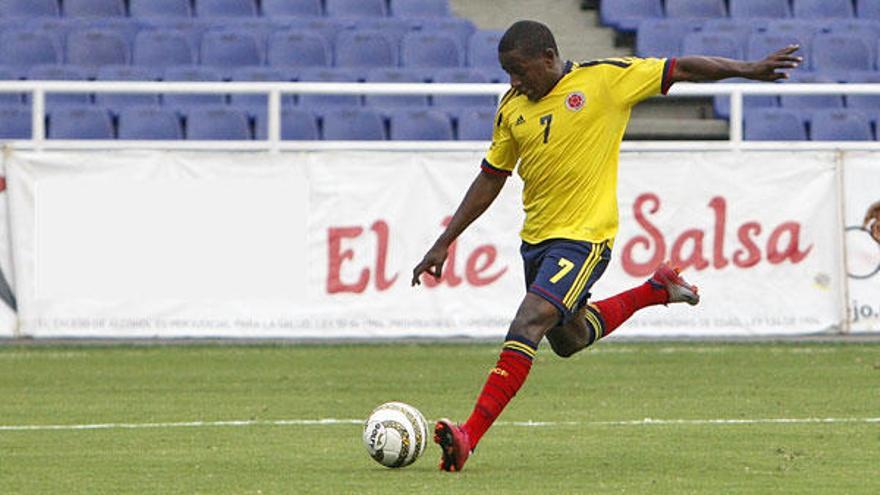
(528, 53)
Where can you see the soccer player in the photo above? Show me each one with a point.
(872, 220)
(563, 123)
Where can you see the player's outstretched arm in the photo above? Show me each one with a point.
(483, 191)
(872, 220)
(771, 68)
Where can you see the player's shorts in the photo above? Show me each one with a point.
(563, 271)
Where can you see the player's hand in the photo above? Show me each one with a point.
(872, 220)
(780, 60)
(432, 264)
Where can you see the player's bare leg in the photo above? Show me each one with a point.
(533, 319)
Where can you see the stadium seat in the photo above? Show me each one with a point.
(365, 49)
(482, 50)
(192, 29)
(430, 50)
(149, 122)
(360, 124)
(230, 49)
(217, 123)
(260, 28)
(256, 103)
(738, 29)
(460, 76)
(296, 125)
(625, 15)
(475, 124)
(276, 8)
(29, 8)
(328, 28)
(25, 48)
(356, 8)
(60, 73)
(80, 122)
(774, 125)
(809, 103)
(696, 9)
(837, 53)
(713, 45)
(115, 102)
(322, 102)
(840, 125)
(163, 48)
(721, 103)
(160, 8)
(10, 74)
(94, 8)
(298, 49)
(15, 122)
(868, 31)
(394, 75)
(392, 27)
(823, 9)
(226, 8)
(864, 102)
(762, 44)
(192, 73)
(458, 28)
(663, 37)
(420, 8)
(420, 125)
(801, 29)
(868, 9)
(93, 48)
(750, 9)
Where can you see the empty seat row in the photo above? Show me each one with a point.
(222, 8)
(821, 125)
(224, 123)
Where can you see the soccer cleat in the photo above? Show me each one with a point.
(455, 447)
(676, 287)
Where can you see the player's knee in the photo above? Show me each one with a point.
(530, 326)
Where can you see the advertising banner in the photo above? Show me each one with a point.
(862, 181)
(322, 244)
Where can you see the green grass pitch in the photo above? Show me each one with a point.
(584, 445)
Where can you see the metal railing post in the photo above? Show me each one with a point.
(38, 117)
(736, 117)
(274, 123)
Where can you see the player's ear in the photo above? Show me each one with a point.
(549, 57)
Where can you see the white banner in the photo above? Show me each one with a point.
(862, 179)
(322, 244)
(8, 303)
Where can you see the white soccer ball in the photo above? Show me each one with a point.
(395, 434)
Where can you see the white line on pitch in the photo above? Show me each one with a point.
(332, 421)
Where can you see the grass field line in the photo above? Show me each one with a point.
(335, 421)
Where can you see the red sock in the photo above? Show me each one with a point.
(616, 310)
(504, 381)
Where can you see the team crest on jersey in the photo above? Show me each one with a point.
(575, 101)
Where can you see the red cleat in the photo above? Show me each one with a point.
(454, 445)
(677, 288)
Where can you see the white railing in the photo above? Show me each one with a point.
(274, 90)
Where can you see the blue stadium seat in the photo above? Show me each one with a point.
(275, 8)
(420, 8)
(809, 103)
(296, 125)
(663, 37)
(217, 123)
(869, 9)
(868, 31)
(226, 8)
(15, 122)
(29, 8)
(392, 27)
(714, 45)
(394, 75)
(431, 50)
(10, 74)
(721, 104)
(80, 122)
(458, 28)
(261, 28)
(823, 9)
(420, 125)
(774, 125)
(834, 53)
(356, 8)
(738, 29)
(230, 49)
(94, 8)
(625, 15)
(749, 9)
(840, 125)
(60, 73)
(322, 102)
(149, 122)
(864, 102)
(298, 49)
(801, 29)
(191, 29)
(328, 28)
(163, 48)
(126, 27)
(93, 48)
(256, 103)
(115, 102)
(365, 49)
(475, 124)
(360, 124)
(696, 9)
(192, 73)
(482, 50)
(762, 44)
(26, 48)
(160, 8)
(460, 76)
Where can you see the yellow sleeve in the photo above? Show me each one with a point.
(631, 80)
(503, 152)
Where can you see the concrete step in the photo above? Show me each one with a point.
(651, 129)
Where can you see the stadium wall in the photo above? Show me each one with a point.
(322, 244)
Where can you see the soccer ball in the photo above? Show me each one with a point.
(395, 434)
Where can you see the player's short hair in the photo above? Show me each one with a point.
(530, 37)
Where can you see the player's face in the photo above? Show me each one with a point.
(533, 76)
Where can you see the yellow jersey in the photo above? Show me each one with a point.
(567, 145)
